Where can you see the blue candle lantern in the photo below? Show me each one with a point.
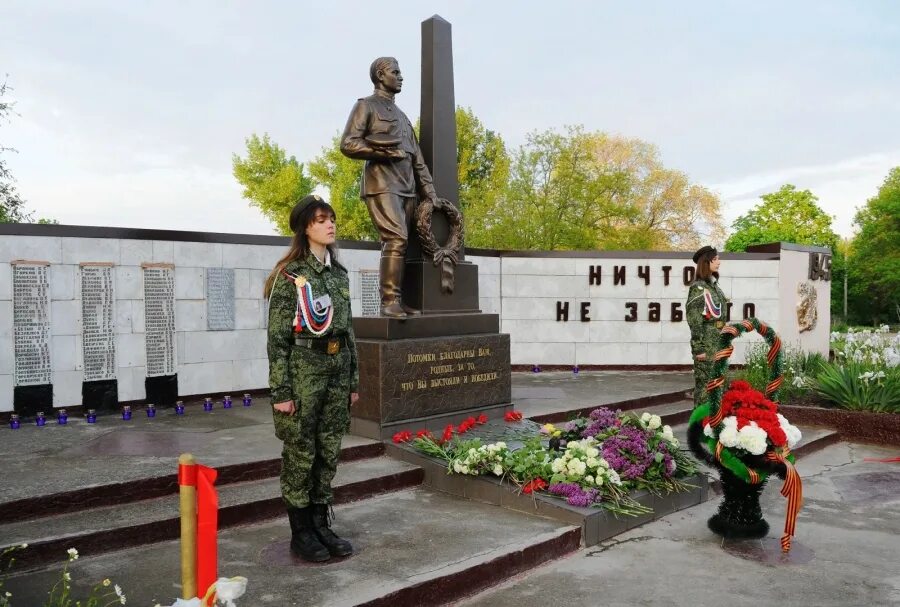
(226, 402)
(40, 420)
(126, 412)
(179, 407)
(151, 410)
(62, 417)
(535, 369)
(575, 369)
(14, 421)
(247, 400)
(207, 404)
(92, 416)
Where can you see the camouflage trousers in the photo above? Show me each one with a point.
(312, 435)
(702, 374)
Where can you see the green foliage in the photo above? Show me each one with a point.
(799, 369)
(874, 264)
(342, 177)
(12, 206)
(849, 387)
(788, 215)
(272, 182)
(581, 190)
(529, 462)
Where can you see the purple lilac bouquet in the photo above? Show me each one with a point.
(575, 495)
(600, 420)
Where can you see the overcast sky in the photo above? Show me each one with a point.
(130, 111)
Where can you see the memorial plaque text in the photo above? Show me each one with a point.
(98, 322)
(220, 299)
(159, 313)
(31, 323)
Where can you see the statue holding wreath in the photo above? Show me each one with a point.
(394, 180)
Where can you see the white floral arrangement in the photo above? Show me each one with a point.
(751, 437)
(482, 459)
(581, 463)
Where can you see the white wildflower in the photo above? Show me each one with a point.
(67, 576)
(73, 554)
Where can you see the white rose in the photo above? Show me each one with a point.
(655, 422)
(645, 417)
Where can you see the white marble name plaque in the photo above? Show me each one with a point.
(370, 295)
(31, 323)
(98, 322)
(159, 320)
(220, 299)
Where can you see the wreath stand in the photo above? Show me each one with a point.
(744, 476)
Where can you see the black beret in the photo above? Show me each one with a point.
(300, 206)
(703, 251)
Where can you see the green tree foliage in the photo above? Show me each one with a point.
(581, 190)
(788, 215)
(272, 182)
(12, 206)
(874, 262)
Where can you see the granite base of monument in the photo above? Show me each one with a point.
(422, 287)
(427, 382)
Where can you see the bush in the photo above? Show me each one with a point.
(798, 368)
(865, 374)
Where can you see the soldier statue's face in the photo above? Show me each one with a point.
(322, 229)
(714, 264)
(391, 78)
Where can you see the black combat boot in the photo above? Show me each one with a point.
(304, 541)
(322, 525)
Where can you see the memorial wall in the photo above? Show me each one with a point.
(83, 308)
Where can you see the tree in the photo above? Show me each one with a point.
(580, 190)
(12, 207)
(272, 181)
(874, 263)
(788, 215)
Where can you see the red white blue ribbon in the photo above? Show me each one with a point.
(306, 317)
(712, 310)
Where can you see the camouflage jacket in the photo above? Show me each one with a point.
(331, 280)
(701, 315)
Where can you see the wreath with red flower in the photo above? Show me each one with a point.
(725, 416)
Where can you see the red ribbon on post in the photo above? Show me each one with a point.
(207, 557)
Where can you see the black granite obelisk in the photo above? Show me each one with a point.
(451, 361)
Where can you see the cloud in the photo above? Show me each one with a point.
(842, 187)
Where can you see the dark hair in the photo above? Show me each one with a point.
(302, 216)
(704, 272)
(382, 63)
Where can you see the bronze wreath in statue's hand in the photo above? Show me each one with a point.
(449, 251)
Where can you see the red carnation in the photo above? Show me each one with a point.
(740, 385)
(423, 434)
(537, 484)
(482, 419)
(448, 433)
(513, 416)
(403, 436)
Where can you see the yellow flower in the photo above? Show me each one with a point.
(106, 582)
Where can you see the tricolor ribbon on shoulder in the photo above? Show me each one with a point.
(712, 310)
(306, 316)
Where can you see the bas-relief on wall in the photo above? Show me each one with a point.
(807, 306)
(618, 311)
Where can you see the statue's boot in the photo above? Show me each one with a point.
(391, 276)
(410, 311)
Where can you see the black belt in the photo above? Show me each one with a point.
(328, 345)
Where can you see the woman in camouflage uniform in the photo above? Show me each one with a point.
(313, 374)
(706, 309)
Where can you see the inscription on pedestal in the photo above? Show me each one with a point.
(220, 299)
(159, 319)
(411, 378)
(370, 298)
(98, 322)
(31, 323)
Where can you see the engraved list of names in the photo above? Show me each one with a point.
(31, 323)
(98, 321)
(159, 319)
(220, 299)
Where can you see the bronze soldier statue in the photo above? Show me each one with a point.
(394, 178)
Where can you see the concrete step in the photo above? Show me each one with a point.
(153, 520)
(145, 481)
(412, 547)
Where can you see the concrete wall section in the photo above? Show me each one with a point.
(600, 291)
